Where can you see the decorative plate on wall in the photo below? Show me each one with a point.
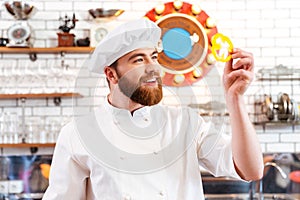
(185, 53)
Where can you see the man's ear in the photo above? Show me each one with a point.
(111, 74)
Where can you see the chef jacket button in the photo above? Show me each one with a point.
(145, 119)
(127, 197)
(161, 193)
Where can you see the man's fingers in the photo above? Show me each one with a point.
(240, 74)
(238, 53)
(244, 63)
(244, 60)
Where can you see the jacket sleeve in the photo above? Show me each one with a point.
(68, 178)
(214, 150)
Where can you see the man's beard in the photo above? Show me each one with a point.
(144, 95)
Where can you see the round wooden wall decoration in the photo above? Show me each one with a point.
(185, 53)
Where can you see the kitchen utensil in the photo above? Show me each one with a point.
(295, 110)
(268, 107)
(103, 13)
(85, 42)
(284, 106)
(20, 32)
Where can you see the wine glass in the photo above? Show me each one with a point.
(69, 76)
(42, 73)
(24, 80)
(2, 79)
(55, 74)
(9, 78)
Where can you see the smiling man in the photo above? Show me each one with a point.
(133, 148)
(147, 91)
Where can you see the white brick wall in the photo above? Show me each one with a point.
(268, 28)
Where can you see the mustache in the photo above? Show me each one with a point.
(151, 75)
(154, 71)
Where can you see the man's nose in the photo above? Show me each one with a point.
(153, 67)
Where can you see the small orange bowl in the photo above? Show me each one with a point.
(295, 176)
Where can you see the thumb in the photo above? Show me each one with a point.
(228, 66)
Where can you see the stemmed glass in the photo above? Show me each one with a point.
(14, 75)
(55, 74)
(2, 79)
(69, 76)
(9, 78)
(42, 76)
(24, 80)
(37, 77)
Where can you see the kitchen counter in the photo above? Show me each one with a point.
(245, 196)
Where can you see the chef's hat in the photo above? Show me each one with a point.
(141, 33)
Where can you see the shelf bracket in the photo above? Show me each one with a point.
(34, 150)
(32, 57)
(57, 101)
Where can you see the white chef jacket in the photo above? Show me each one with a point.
(76, 174)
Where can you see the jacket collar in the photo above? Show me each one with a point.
(145, 110)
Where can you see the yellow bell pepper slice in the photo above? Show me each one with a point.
(221, 47)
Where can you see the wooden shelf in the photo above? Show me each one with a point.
(279, 79)
(40, 95)
(46, 50)
(277, 123)
(27, 145)
(264, 124)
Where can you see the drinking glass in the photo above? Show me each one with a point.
(1, 127)
(9, 125)
(33, 129)
(52, 129)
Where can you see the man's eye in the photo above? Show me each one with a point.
(138, 60)
(154, 57)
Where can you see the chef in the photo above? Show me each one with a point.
(132, 147)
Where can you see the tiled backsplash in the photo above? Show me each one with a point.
(268, 28)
